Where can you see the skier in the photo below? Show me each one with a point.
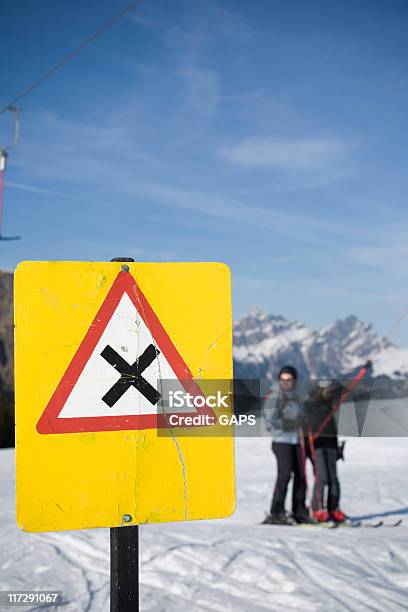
(283, 414)
(324, 451)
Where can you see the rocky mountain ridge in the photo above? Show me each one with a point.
(263, 343)
(6, 360)
(6, 331)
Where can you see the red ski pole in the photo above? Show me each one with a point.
(342, 399)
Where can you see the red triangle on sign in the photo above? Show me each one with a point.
(84, 401)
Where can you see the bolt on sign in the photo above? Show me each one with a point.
(93, 344)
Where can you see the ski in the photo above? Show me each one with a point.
(347, 523)
(329, 524)
(350, 523)
(333, 524)
(376, 524)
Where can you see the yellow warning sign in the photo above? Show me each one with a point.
(102, 352)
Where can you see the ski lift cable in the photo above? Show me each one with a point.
(394, 326)
(13, 108)
(67, 58)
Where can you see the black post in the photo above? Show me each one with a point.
(124, 587)
(124, 558)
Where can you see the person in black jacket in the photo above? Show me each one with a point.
(324, 451)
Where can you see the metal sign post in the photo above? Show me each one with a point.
(124, 562)
(124, 558)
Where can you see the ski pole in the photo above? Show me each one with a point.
(303, 453)
(359, 376)
(315, 472)
(341, 400)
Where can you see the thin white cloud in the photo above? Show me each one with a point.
(385, 250)
(305, 155)
(305, 228)
(305, 290)
(105, 251)
(203, 89)
(209, 18)
(104, 164)
(110, 159)
(40, 190)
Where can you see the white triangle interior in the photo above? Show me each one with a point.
(128, 335)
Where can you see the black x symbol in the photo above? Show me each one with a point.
(130, 375)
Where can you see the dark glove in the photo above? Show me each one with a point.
(340, 451)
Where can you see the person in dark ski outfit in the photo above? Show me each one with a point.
(324, 451)
(283, 416)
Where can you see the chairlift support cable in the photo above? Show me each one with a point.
(67, 58)
(11, 106)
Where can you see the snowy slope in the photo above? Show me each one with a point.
(392, 362)
(236, 564)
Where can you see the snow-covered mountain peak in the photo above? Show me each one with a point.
(257, 327)
(264, 342)
(353, 336)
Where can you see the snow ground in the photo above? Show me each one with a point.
(235, 563)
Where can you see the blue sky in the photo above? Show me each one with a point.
(268, 135)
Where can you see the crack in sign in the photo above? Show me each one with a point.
(131, 375)
(173, 436)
